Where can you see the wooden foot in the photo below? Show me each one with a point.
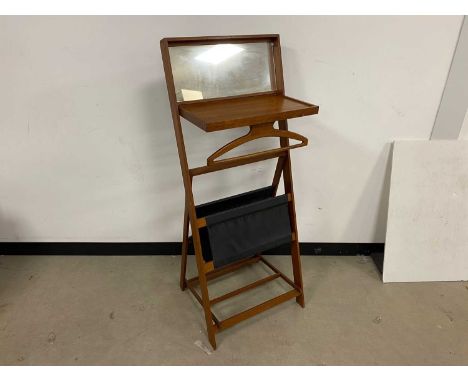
(300, 300)
(212, 338)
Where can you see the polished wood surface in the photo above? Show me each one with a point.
(189, 200)
(259, 111)
(209, 40)
(239, 161)
(244, 111)
(264, 130)
(295, 292)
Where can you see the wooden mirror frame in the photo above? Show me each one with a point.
(275, 61)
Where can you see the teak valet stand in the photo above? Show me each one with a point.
(232, 232)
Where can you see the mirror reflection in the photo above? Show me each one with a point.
(221, 70)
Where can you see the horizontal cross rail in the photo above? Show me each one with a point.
(283, 276)
(239, 161)
(226, 269)
(230, 321)
(244, 288)
(227, 323)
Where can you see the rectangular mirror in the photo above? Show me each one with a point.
(221, 70)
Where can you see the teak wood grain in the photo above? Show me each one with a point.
(210, 40)
(244, 111)
(256, 110)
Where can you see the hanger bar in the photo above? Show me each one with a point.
(239, 161)
(277, 150)
(252, 155)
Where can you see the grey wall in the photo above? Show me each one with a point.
(87, 151)
(454, 104)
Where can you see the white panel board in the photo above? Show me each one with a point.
(427, 230)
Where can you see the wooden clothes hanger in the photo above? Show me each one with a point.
(264, 130)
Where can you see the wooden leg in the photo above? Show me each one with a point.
(278, 173)
(184, 252)
(295, 252)
(189, 202)
(210, 326)
(297, 270)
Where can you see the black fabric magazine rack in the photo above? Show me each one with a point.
(243, 225)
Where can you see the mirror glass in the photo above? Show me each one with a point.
(221, 70)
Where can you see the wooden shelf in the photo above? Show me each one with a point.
(229, 113)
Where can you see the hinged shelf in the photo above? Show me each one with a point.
(244, 111)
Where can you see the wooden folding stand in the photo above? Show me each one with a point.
(242, 96)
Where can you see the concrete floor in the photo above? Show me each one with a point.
(130, 311)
